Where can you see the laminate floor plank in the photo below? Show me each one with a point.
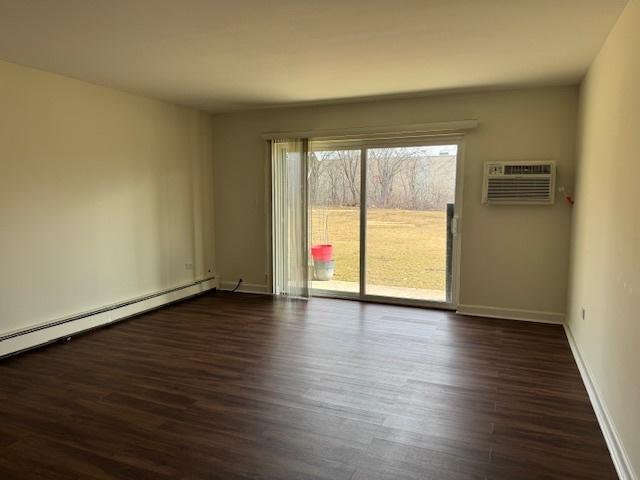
(236, 387)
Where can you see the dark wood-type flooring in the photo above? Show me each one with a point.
(235, 386)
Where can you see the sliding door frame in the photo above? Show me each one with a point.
(363, 223)
(364, 145)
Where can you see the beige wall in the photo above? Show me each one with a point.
(605, 273)
(104, 196)
(513, 257)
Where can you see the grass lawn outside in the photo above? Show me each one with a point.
(405, 248)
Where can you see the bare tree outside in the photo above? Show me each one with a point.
(349, 162)
(400, 178)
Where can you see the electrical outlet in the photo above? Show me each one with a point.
(583, 313)
(188, 266)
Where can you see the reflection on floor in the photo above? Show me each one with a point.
(382, 290)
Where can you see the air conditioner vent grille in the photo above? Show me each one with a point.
(527, 169)
(518, 189)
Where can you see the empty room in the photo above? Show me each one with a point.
(357, 240)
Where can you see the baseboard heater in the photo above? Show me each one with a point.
(102, 315)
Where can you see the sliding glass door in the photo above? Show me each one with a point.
(410, 198)
(335, 202)
(383, 220)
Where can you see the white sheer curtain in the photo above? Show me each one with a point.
(290, 217)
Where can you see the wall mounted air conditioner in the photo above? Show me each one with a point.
(519, 183)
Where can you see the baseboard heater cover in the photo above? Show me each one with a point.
(37, 335)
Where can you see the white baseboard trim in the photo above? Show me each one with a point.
(616, 449)
(511, 314)
(36, 335)
(260, 289)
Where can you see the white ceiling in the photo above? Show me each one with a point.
(223, 55)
